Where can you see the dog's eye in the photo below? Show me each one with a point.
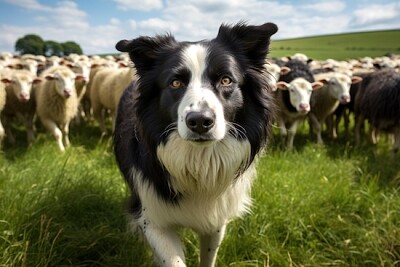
(225, 81)
(176, 84)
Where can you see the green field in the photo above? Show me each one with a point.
(340, 46)
(332, 205)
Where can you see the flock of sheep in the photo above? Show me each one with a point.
(324, 92)
(77, 87)
(58, 90)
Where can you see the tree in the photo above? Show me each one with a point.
(71, 47)
(53, 48)
(30, 44)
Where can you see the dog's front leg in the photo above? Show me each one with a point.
(209, 246)
(165, 244)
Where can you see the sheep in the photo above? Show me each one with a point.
(293, 99)
(57, 102)
(96, 65)
(107, 88)
(20, 103)
(344, 111)
(274, 71)
(336, 89)
(378, 101)
(81, 67)
(2, 104)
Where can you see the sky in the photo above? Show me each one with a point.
(97, 25)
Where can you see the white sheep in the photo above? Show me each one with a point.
(274, 71)
(20, 103)
(57, 102)
(293, 102)
(107, 88)
(96, 65)
(324, 101)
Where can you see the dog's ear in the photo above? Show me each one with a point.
(144, 51)
(252, 41)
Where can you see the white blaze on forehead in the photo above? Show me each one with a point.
(198, 93)
(194, 58)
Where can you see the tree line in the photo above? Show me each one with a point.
(34, 44)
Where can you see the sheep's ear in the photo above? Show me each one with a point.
(145, 51)
(285, 70)
(122, 64)
(79, 77)
(324, 80)
(37, 80)
(316, 85)
(356, 79)
(70, 65)
(6, 80)
(49, 77)
(19, 66)
(251, 41)
(282, 85)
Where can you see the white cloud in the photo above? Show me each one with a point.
(29, 4)
(325, 7)
(142, 5)
(193, 20)
(156, 25)
(377, 13)
(67, 14)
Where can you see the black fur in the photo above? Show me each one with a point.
(378, 99)
(147, 107)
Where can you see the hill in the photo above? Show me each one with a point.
(340, 46)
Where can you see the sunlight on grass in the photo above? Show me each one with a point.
(317, 205)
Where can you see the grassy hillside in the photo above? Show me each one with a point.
(340, 46)
(332, 205)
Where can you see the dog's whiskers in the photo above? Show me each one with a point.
(237, 130)
(169, 128)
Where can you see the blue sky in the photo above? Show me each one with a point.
(98, 24)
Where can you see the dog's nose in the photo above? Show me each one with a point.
(200, 122)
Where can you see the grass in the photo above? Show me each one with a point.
(332, 205)
(340, 46)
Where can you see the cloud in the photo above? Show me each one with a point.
(371, 14)
(191, 20)
(142, 5)
(67, 14)
(325, 7)
(29, 4)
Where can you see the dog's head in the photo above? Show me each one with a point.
(203, 90)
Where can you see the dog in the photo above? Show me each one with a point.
(188, 133)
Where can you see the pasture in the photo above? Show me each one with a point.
(331, 205)
(340, 46)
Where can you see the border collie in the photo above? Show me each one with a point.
(188, 131)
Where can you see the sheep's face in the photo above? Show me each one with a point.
(274, 72)
(299, 93)
(339, 88)
(64, 83)
(21, 84)
(22, 87)
(82, 68)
